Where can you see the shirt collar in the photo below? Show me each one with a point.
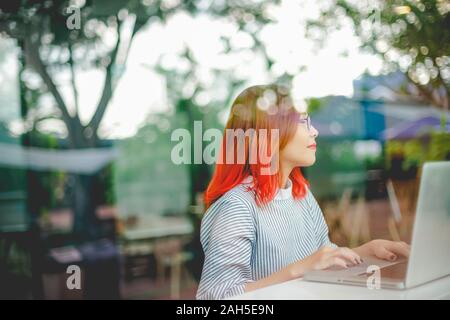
(282, 193)
(285, 193)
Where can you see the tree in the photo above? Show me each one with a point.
(413, 36)
(61, 36)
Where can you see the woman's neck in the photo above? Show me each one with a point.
(285, 172)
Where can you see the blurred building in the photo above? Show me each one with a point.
(353, 131)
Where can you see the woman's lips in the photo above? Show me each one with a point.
(312, 146)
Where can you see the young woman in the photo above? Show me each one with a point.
(261, 226)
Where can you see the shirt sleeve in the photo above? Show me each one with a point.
(320, 225)
(227, 236)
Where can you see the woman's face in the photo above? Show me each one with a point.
(300, 151)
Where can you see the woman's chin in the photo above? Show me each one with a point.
(307, 162)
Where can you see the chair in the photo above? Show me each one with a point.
(169, 253)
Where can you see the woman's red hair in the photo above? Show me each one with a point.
(258, 107)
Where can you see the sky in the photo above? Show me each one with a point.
(140, 92)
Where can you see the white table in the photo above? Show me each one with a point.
(157, 227)
(304, 290)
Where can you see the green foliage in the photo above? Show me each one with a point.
(15, 258)
(374, 162)
(413, 36)
(106, 185)
(314, 105)
(336, 168)
(439, 148)
(415, 152)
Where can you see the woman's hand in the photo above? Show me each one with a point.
(385, 249)
(325, 258)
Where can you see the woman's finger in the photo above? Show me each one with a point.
(346, 254)
(383, 253)
(336, 261)
(354, 254)
(400, 248)
(356, 259)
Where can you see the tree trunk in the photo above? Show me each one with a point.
(83, 196)
(83, 206)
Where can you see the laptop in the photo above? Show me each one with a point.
(430, 255)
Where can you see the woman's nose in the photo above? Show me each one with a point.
(314, 132)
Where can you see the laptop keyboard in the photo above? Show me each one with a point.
(368, 266)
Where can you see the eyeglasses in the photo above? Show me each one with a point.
(306, 120)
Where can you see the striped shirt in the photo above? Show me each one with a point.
(244, 243)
